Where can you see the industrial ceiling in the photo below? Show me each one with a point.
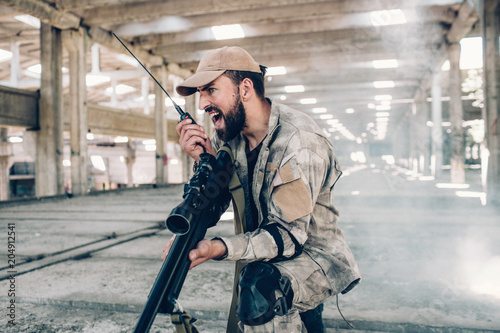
(355, 66)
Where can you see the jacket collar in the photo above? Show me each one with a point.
(273, 122)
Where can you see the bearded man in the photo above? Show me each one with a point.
(295, 255)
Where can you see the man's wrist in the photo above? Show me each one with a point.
(221, 248)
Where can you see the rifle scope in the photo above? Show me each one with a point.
(201, 192)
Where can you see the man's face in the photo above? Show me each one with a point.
(221, 99)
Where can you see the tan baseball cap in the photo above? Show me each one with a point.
(214, 64)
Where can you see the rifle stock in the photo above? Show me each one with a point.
(204, 189)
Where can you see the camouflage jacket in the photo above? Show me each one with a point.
(293, 189)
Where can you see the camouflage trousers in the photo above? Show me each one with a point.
(310, 287)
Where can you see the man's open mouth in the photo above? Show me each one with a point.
(216, 117)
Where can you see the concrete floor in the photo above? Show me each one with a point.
(430, 259)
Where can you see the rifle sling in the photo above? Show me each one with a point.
(183, 323)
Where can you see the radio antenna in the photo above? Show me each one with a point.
(183, 114)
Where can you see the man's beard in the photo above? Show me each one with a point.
(234, 120)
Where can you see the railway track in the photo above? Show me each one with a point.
(30, 263)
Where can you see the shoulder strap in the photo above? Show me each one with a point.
(238, 196)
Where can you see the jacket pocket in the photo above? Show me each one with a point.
(290, 193)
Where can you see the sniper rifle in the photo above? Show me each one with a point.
(205, 198)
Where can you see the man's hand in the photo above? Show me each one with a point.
(205, 250)
(192, 139)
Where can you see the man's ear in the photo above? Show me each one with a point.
(246, 89)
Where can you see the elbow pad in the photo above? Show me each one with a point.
(274, 230)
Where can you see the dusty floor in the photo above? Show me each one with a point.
(430, 260)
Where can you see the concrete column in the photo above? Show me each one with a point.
(420, 135)
(96, 58)
(401, 142)
(5, 163)
(130, 160)
(161, 128)
(15, 64)
(145, 93)
(49, 155)
(437, 131)
(423, 135)
(413, 140)
(76, 44)
(114, 97)
(456, 117)
(490, 12)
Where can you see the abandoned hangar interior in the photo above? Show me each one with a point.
(411, 83)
